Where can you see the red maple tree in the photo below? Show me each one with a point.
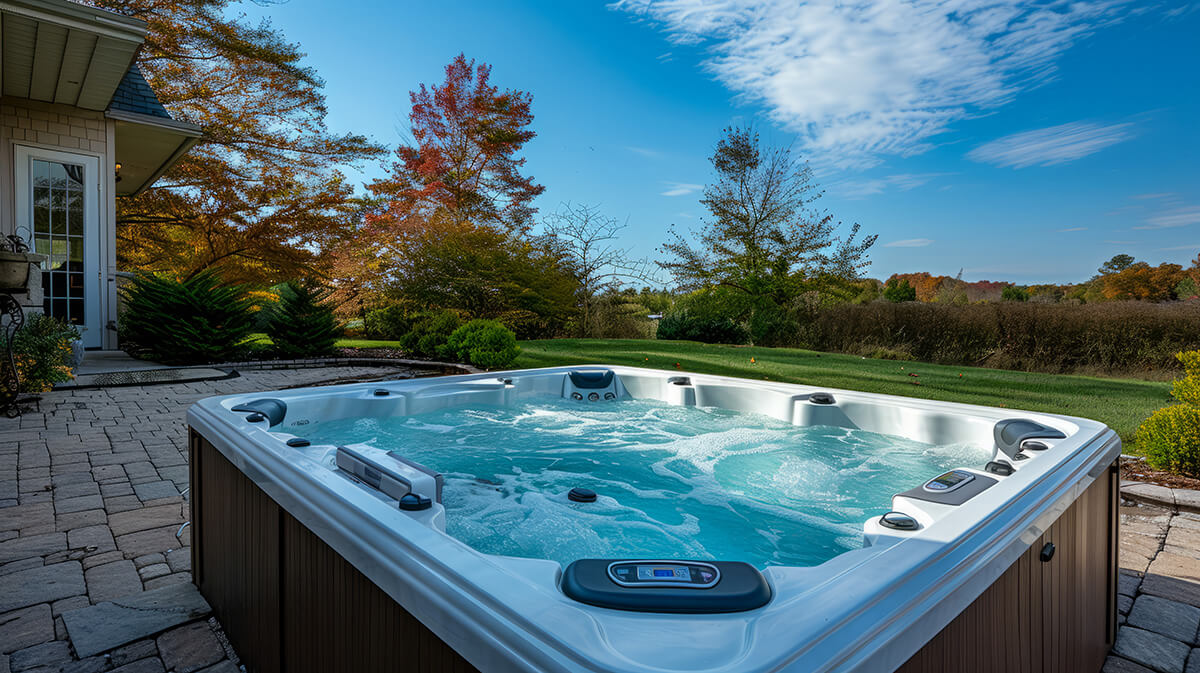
(465, 159)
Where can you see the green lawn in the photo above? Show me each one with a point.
(1122, 404)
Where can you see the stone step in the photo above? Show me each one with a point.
(111, 624)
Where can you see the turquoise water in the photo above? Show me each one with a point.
(673, 481)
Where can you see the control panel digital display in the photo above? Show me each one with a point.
(949, 481)
(645, 574)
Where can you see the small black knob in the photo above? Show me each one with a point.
(256, 418)
(821, 398)
(1034, 445)
(1000, 467)
(411, 502)
(380, 392)
(898, 521)
(581, 495)
(297, 442)
(1047, 552)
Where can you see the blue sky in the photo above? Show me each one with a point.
(1016, 141)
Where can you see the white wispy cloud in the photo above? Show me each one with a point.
(1177, 248)
(644, 151)
(1157, 195)
(859, 189)
(681, 188)
(1050, 146)
(1181, 217)
(859, 80)
(1070, 229)
(909, 243)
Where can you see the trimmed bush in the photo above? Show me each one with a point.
(390, 323)
(301, 324)
(483, 343)
(429, 333)
(1170, 438)
(683, 326)
(42, 352)
(193, 321)
(897, 291)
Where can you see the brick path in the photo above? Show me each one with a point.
(90, 513)
(1159, 600)
(91, 546)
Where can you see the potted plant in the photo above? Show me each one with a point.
(15, 261)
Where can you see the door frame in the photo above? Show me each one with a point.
(92, 328)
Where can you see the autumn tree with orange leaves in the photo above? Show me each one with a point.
(260, 199)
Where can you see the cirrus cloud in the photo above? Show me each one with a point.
(1050, 146)
(866, 78)
(910, 243)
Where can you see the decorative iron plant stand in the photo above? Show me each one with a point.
(13, 254)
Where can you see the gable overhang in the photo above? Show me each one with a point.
(146, 146)
(62, 52)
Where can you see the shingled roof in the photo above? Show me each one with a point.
(135, 95)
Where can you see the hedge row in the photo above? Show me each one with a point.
(1110, 337)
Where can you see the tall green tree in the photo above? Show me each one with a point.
(261, 197)
(763, 239)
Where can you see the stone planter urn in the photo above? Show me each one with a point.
(15, 270)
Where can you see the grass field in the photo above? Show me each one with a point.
(1122, 404)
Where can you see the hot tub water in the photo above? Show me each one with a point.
(673, 481)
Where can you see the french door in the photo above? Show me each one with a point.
(58, 208)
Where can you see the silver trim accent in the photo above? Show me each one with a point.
(673, 584)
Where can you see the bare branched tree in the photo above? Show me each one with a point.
(586, 240)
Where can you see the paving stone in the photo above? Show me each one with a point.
(68, 604)
(168, 580)
(96, 664)
(96, 539)
(112, 580)
(133, 652)
(155, 490)
(1127, 583)
(151, 665)
(228, 666)
(1119, 665)
(101, 559)
(78, 504)
(22, 628)
(106, 473)
(180, 559)
(1124, 603)
(1193, 663)
(45, 654)
(1151, 650)
(1173, 565)
(32, 545)
(1188, 500)
(141, 471)
(122, 503)
(111, 624)
(149, 560)
(190, 648)
(1169, 618)
(24, 516)
(157, 570)
(156, 540)
(81, 489)
(116, 488)
(144, 519)
(73, 520)
(41, 585)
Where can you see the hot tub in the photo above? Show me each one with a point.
(619, 519)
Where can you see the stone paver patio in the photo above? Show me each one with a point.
(95, 559)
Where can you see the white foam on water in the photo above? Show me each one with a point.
(673, 481)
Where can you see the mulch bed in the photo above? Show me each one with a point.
(1138, 470)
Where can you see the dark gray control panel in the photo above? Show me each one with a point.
(646, 574)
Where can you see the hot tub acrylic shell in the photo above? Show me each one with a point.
(870, 609)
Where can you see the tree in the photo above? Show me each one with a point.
(464, 158)
(1116, 265)
(899, 290)
(584, 238)
(1014, 293)
(762, 239)
(259, 198)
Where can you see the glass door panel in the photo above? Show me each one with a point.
(58, 231)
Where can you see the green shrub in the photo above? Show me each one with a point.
(301, 324)
(683, 326)
(772, 327)
(897, 291)
(42, 352)
(185, 322)
(429, 332)
(391, 322)
(483, 343)
(1170, 438)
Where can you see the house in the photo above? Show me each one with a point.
(79, 127)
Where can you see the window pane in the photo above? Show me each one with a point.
(58, 211)
(41, 245)
(77, 311)
(76, 285)
(58, 285)
(58, 308)
(76, 250)
(75, 213)
(58, 175)
(41, 173)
